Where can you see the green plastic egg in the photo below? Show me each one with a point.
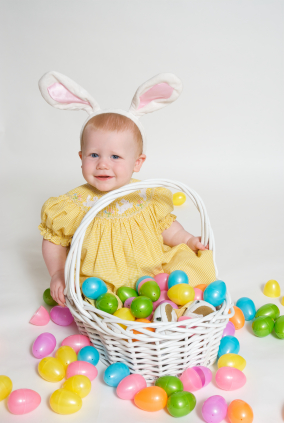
(181, 403)
(141, 307)
(262, 326)
(125, 292)
(270, 310)
(170, 384)
(279, 327)
(151, 290)
(107, 303)
(47, 298)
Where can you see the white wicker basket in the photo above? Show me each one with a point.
(153, 354)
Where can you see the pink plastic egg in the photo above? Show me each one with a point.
(229, 330)
(195, 378)
(198, 294)
(162, 281)
(130, 385)
(163, 297)
(128, 302)
(214, 409)
(43, 345)
(76, 342)
(82, 368)
(23, 401)
(170, 302)
(61, 316)
(230, 378)
(41, 317)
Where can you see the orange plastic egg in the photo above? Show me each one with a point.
(240, 411)
(152, 398)
(238, 319)
(201, 286)
(142, 321)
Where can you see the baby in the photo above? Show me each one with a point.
(137, 234)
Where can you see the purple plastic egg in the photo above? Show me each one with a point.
(229, 330)
(230, 378)
(162, 281)
(61, 316)
(214, 409)
(127, 303)
(195, 378)
(43, 345)
(163, 297)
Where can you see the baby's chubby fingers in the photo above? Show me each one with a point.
(61, 298)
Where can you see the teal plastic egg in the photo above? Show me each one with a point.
(247, 306)
(215, 293)
(93, 288)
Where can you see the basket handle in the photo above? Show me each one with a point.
(73, 261)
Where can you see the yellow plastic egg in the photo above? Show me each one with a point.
(51, 369)
(282, 302)
(6, 387)
(272, 289)
(66, 355)
(181, 293)
(79, 384)
(65, 402)
(232, 360)
(125, 314)
(179, 198)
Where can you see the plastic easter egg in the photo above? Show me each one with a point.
(176, 277)
(238, 319)
(63, 401)
(201, 286)
(152, 398)
(61, 316)
(229, 378)
(22, 401)
(163, 297)
(170, 384)
(232, 360)
(214, 409)
(128, 302)
(282, 301)
(76, 342)
(247, 306)
(240, 412)
(270, 310)
(6, 387)
(228, 344)
(79, 384)
(169, 302)
(162, 281)
(150, 290)
(142, 279)
(142, 321)
(82, 368)
(272, 289)
(41, 317)
(141, 307)
(195, 378)
(130, 385)
(179, 198)
(94, 287)
(89, 354)
(66, 355)
(125, 314)
(215, 293)
(198, 294)
(125, 292)
(115, 373)
(43, 345)
(229, 330)
(181, 294)
(279, 327)
(262, 326)
(47, 298)
(180, 404)
(51, 369)
(107, 303)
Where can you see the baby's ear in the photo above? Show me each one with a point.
(63, 93)
(156, 93)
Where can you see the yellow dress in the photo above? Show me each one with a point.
(124, 241)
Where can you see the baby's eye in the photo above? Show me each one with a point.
(115, 156)
(93, 154)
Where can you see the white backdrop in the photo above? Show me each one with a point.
(223, 137)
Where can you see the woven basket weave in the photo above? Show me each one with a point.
(173, 347)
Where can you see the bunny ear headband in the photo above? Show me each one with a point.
(63, 93)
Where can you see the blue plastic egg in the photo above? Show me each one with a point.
(215, 293)
(247, 306)
(229, 345)
(93, 288)
(89, 354)
(115, 373)
(176, 277)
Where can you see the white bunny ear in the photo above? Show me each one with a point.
(156, 93)
(63, 93)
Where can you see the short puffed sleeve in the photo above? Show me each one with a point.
(163, 206)
(60, 218)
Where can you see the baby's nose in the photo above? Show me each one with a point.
(102, 164)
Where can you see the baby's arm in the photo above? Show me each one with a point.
(55, 257)
(176, 235)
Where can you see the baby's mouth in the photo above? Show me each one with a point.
(104, 177)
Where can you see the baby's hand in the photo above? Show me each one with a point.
(194, 244)
(57, 286)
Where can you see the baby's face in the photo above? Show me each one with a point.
(109, 158)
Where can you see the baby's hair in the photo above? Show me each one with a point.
(115, 122)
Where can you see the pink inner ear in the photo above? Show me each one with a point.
(60, 93)
(158, 91)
